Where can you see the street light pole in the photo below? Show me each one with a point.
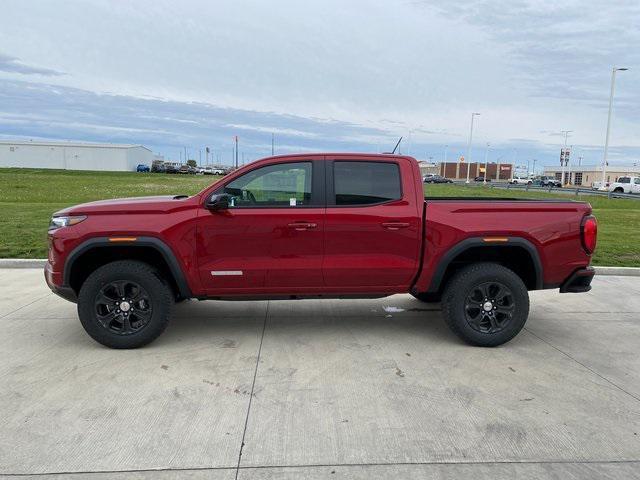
(486, 169)
(534, 166)
(469, 145)
(606, 141)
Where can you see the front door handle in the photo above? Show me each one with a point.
(395, 225)
(300, 226)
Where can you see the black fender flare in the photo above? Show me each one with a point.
(167, 254)
(473, 242)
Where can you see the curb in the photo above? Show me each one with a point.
(22, 262)
(39, 263)
(620, 271)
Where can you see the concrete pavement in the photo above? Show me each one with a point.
(322, 389)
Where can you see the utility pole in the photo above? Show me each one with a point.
(236, 138)
(273, 150)
(185, 155)
(469, 145)
(486, 166)
(606, 141)
(563, 159)
(445, 153)
(534, 166)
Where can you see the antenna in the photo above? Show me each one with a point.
(395, 148)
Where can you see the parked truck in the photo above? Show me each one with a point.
(320, 226)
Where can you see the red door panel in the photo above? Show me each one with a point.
(244, 250)
(371, 245)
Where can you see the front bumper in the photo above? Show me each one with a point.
(64, 291)
(579, 281)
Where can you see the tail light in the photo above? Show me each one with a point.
(589, 233)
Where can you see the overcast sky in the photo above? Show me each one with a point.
(324, 75)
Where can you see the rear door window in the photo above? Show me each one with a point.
(366, 183)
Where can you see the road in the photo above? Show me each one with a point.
(322, 389)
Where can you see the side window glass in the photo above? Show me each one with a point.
(365, 183)
(281, 185)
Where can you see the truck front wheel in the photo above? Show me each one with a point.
(125, 304)
(485, 304)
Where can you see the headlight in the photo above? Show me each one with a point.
(65, 221)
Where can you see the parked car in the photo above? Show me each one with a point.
(142, 168)
(213, 171)
(481, 179)
(272, 229)
(433, 178)
(521, 181)
(158, 168)
(187, 169)
(550, 182)
(545, 181)
(169, 168)
(598, 186)
(626, 185)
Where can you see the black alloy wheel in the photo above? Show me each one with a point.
(489, 307)
(485, 304)
(125, 304)
(123, 307)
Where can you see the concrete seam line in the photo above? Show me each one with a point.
(325, 465)
(253, 385)
(582, 364)
(40, 262)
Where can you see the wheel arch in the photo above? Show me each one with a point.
(95, 252)
(516, 253)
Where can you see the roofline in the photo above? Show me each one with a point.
(335, 154)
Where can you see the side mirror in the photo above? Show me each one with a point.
(218, 201)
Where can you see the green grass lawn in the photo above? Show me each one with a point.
(28, 197)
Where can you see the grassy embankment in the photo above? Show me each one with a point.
(28, 197)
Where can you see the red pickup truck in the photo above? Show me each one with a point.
(317, 225)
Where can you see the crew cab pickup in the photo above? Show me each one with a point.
(317, 225)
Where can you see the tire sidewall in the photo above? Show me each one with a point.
(460, 287)
(160, 299)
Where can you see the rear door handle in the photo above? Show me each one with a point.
(395, 225)
(300, 226)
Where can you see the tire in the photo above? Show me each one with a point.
(149, 301)
(618, 190)
(463, 297)
(427, 297)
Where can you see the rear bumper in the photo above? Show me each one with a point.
(52, 277)
(579, 281)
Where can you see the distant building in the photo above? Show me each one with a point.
(73, 156)
(585, 175)
(458, 170)
(428, 167)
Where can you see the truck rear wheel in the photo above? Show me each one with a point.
(125, 304)
(485, 304)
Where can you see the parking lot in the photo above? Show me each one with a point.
(322, 389)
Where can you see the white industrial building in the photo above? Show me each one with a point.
(586, 175)
(73, 155)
